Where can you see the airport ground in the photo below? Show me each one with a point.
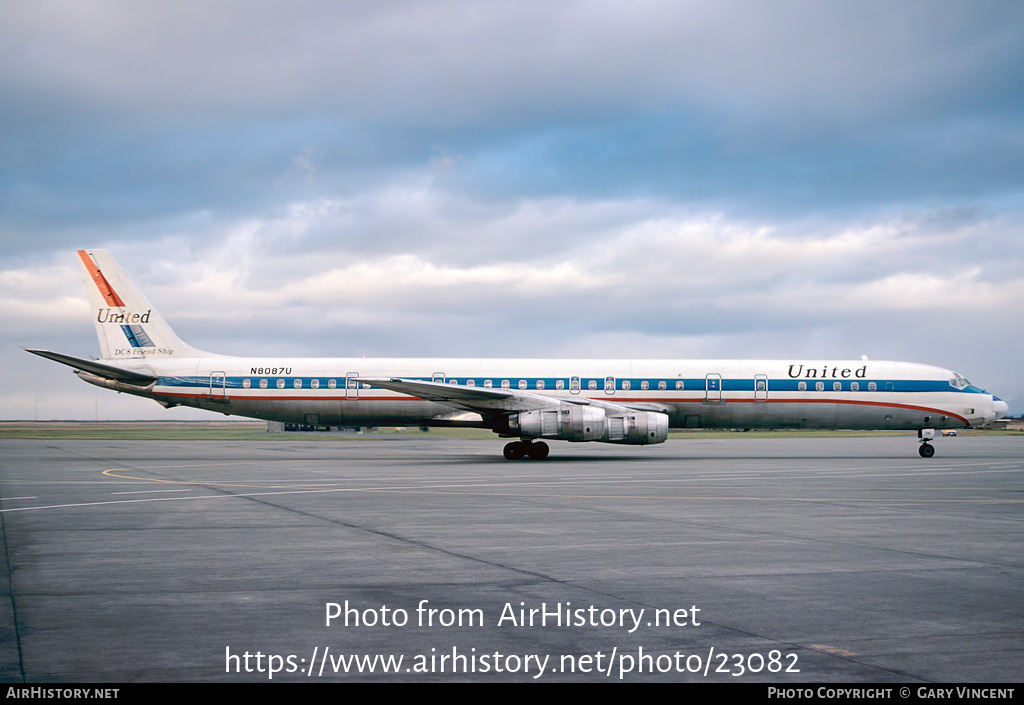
(734, 558)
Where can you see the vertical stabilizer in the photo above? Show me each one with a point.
(126, 324)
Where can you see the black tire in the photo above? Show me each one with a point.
(514, 450)
(538, 450)
(926, 450)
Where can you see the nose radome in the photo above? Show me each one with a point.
(1000, 407)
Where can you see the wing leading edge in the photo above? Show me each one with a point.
(487, 400)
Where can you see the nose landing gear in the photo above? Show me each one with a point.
(926, 450)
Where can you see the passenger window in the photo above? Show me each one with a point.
(801, 386)
(837, 386)
(872, 386)
(504, 384)
(487, 383)
(314, 384)
(645, 385)
(470, 382)
(662, 385)
(522, 384)
(626, 384)
(592, 384)
(820, 386)
(679, 384)
(560, 384)
(540, 384)
(332, 384)
(280, 384)
(263, 384)
(246, 383)
(855, 386)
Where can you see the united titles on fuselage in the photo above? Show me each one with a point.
(826, 371)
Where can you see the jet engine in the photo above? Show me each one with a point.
(578, 423)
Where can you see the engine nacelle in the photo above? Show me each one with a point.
(636, 428)
(578, 423)
(570, 422)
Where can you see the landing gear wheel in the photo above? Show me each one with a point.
(514, 450)
(537, 451)
(926, 450)
(519, 449)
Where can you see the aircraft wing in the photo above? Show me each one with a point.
(99, 369)
(487, 400)
(481, 399)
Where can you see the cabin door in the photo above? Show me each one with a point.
(760, 387)
(713, 387)
(218, 386)
(351, 385)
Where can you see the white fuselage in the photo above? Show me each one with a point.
(862, 394)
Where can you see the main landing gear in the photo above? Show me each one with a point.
(534, 450)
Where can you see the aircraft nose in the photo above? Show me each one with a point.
(1000, 407)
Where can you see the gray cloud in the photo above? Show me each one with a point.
(458, 63)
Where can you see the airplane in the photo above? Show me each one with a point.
(632, 402)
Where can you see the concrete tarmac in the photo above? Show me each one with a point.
(838, 559)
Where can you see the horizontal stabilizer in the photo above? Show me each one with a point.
(98, 368)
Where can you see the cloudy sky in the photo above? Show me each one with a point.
(494, 179)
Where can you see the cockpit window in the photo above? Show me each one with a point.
(959, 381)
